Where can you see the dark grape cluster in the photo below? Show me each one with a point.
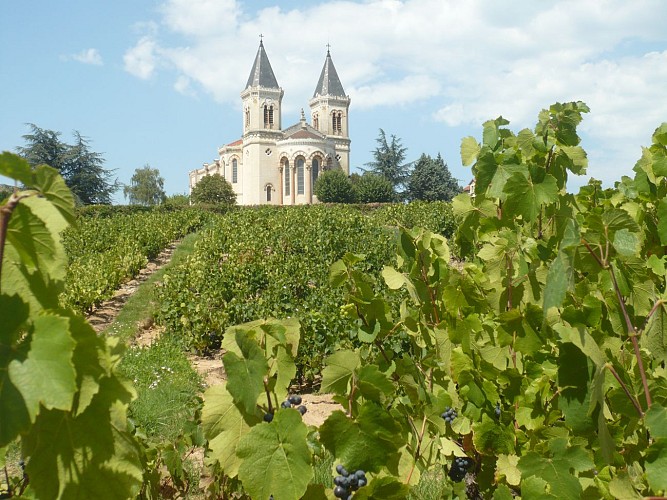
(348, 482)
(497, 410)
(449, 415)
(293, 400)
(459, 468)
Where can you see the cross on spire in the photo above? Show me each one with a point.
(328, 47)
(261, 38)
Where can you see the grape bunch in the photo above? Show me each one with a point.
(293, 400)
(347, 482)
(497, 410)
(459, 468)
(449, 415)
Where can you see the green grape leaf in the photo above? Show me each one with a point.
(580, 337)
(315, 492)
(337, 274)
(662, 221)
(30, 236)
(656, 421)
(525, 197)
(365, 443)
(15, 167)
(383, 488)
(224, 426)
(47, 375)
(525, 140)
(506, 466)
(14, 313)
(535, 488)
(660, 134)
(393, 278)
(53, 188)
(373, 384)
(656, 464)
(578, 157)
(89, 456)
(491, 178)
(92, 360)
(490, 134)
(556, 471)
(627, 244)
(469, 150)
(15, 417)
(560, 279)
(575, 374)
(245, 373)
(621, 488)
(276, 458)
(339, 369)
(503, 492)
(492, 438)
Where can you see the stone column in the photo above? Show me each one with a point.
(293, 183)
(309, 187)
(281, 185)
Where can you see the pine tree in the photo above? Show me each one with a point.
(431, 180)
(82, 168)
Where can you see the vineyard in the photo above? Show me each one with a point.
(509, 344)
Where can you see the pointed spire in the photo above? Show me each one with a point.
(261, 74)
(329, 83)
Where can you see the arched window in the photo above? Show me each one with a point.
(235, 170)
(287, 179)
(300, 184)
(268, 116)
(268, 192)
(247, 117)
(315, 170)
(316, 121)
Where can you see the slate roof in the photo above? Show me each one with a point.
(261, 74)
(329, 83)
(297, 131)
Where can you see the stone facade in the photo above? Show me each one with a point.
(272, 165)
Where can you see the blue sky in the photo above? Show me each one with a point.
(158, 81)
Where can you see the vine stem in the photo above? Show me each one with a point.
(653, 311)
(632, 331)
(625, 389)
(420, 437)
(268, 394)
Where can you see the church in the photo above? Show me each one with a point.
(270, 164)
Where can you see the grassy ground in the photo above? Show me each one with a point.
(167, 385)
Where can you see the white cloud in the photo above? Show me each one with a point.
(472, 60)
(141, 59)
(88, 56)
(395, 93)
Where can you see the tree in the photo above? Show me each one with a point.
(82, 168)
(146, 187)
(333, 186)
(389, 158)
(213, 189)
(373, 188)
(431, 180)
(177, 200)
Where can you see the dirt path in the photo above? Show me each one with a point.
(104, 314)
(319, 407)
